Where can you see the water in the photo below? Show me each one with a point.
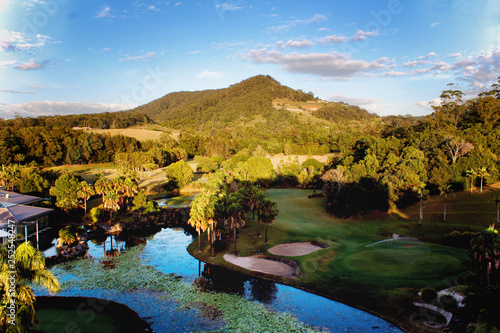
(166, 251)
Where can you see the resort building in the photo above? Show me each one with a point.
(19, 209)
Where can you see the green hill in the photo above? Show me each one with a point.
(240, 103)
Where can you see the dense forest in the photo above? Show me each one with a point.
(398, 158)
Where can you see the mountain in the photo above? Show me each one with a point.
(241, 103)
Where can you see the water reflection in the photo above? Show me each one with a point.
(166, 250)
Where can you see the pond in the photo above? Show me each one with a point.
(165, 251)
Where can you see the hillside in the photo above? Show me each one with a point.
(251, 99)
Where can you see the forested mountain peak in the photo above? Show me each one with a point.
(239, 102)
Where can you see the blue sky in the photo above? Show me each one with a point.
(390, 56)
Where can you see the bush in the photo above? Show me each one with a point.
(459, 239)
(429, 295)
(68, 234)
(94, 214)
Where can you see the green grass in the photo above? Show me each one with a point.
(383, 278)
(60, 320)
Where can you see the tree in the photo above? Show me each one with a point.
(482, 172)
(266, 213)
(19, 158)
(30, 269)
(484, 256)
(179, 172)
(497, 202)
(201, 213)
(110, 202)
(421, 192)
(66, 190)
(85, 192)
(206, 164)
(445, 189)
(472, 174)
(253, 195)
(103, 186)
(236, 217)
(457, 147)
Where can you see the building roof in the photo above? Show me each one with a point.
(17, 198)
(21, 213)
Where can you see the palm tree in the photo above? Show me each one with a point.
(29, 268)
(103, 186)
(236, 219)
(253, 195)
(201, 214)
(482, 172)
(445, 189)
(85, 192)
(110, 202)
(266, 213)
(497, 202)
(472, 174)
(421, 192)
(485, 253)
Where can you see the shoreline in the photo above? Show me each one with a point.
(290, 282)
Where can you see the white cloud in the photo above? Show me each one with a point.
(18, 91)
(35, 64)
(295, 43)
(394, 73)
(105, 12)
(17, 41)
(454, 55)
(7, 63)
(153, 8)
(143, 57)
(434, 24)
(332, 39)
(293, 23)
(226, 6)
(362, 35)
(209, 75)
(332, 65)
(193, 52)
(49, 108)
(415, 63)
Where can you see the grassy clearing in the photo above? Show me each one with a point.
(384, 278)
(136, 133)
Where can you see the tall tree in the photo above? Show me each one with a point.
(497, 202)
(30, 269)
(267, 212)
(85, 192)
(445, 189)
(236, 216)
(66, 190)
(421, 193)
(201, 213)
(484, 255)
(482, 172)
(110, 202)
(472, 174)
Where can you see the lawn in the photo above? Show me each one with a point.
(385, 277)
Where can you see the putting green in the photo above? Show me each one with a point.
(398, 260)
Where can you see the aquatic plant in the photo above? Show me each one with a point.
(129, 273)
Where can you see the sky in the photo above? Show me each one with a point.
(391, 57)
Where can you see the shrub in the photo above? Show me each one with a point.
(95, 213)
(68, 234)
(458, 239)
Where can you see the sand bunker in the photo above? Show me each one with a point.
(294, 249)
(261, 265)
